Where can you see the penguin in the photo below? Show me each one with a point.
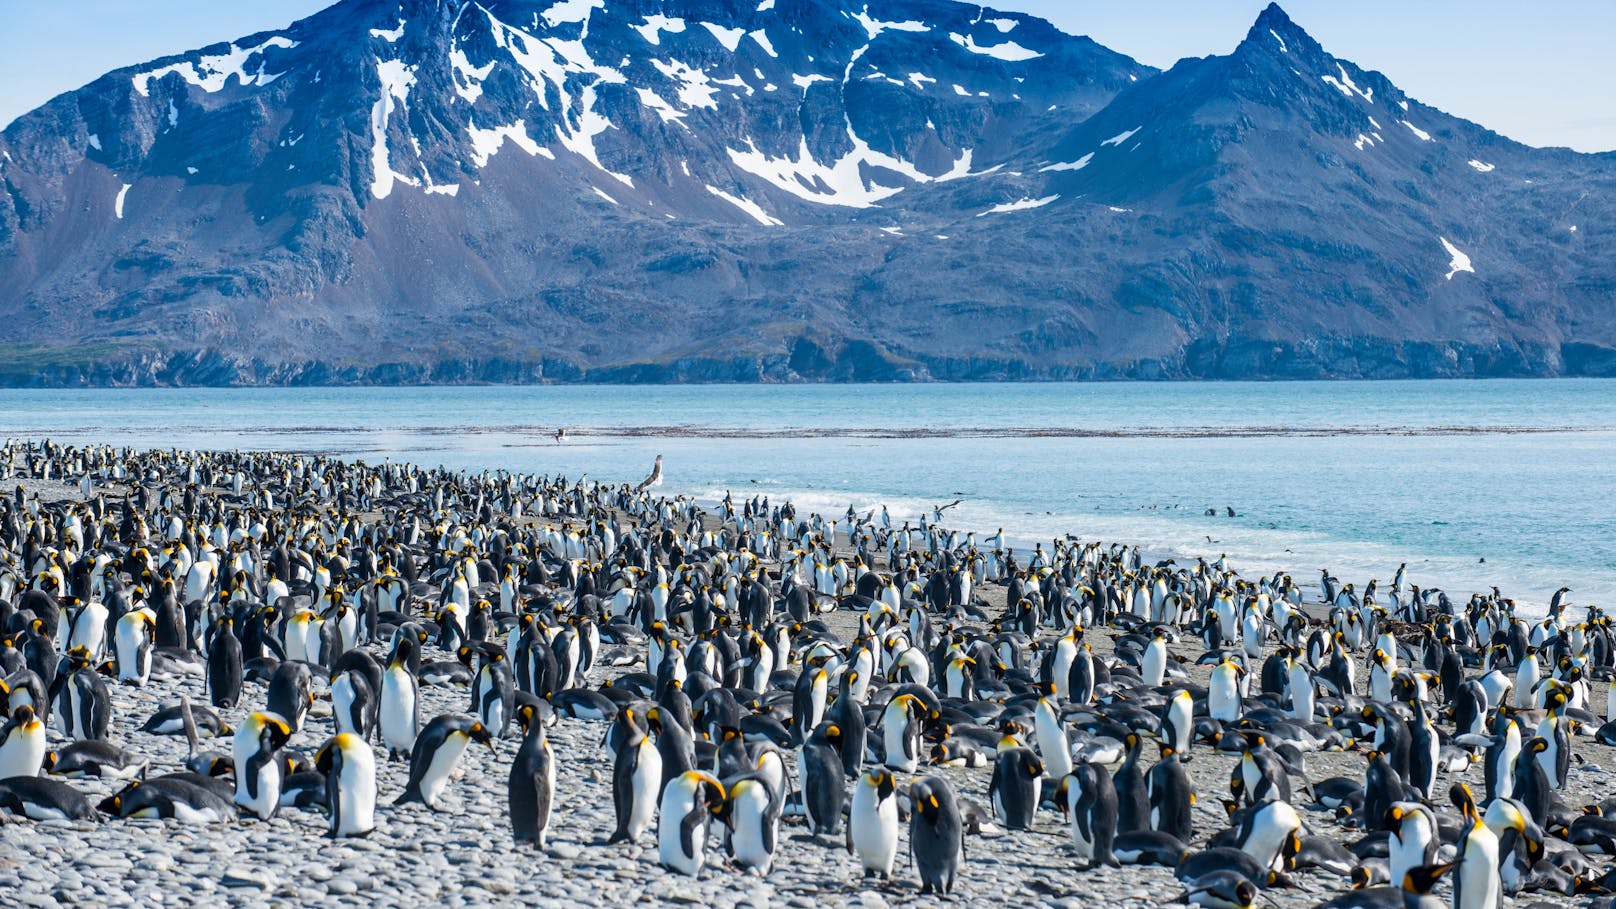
(1425, 749)
(1133, 798)
(494, 692)
(1412, 893)
(22, 744)
(823, 783)
(753, 817)
(848, 714)
(291, 693)
(1015, 787)
(936, 835)
(1178, 722)
(349, 766)
(224, 666)
(636, 780)
(180, 797)
(1222, 889)
(1476, 883)
(1149, 847)
(532, 782)
(353, 703)
(1172, 796)
(872, 824)
(1053, 745)
(1223, 692)
(94, 758)
(40, 798)
(900, 732)
(1413, 841)
(399, 716)
(1091, 806)
(132, 647)
(685, 813)
(436, 752)
(256, 750)
(1269, 833)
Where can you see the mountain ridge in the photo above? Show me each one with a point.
(801, 190)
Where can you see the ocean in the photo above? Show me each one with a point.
(1507, 483)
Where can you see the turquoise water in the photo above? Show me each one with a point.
(1354, 476)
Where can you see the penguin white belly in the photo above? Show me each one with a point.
(670, 833)
(746, 840)
(269, 789)
(187, 814)
(398, 710)
(647, 778)
(442, 765)
(874, 828)
(1478, 874)
(342, 697)
(358, 792)
(22, 754)
(126, 642)
(37, 812)
(895, 737)
(1082, 839)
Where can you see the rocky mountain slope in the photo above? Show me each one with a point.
(693, 190)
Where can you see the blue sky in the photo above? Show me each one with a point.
(1544, 77)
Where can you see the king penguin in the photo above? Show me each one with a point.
(400, 713)
(436, 752)
(22, 744)
(636, 779)
(350, 784)
(872, 825)
(823, 783)
(1476, 883)
(936, 835)
(1091, 806)
(532, 782)
(753, 816)
(1015, 786)
(256, 750)
(688, 805)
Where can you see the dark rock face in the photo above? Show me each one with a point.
(406, 191)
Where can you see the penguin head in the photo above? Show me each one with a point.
(926, 802)
(1459, 794)
(325, 758)
(270, 730)
(1421, 878)
(526, 716)
(882, 781)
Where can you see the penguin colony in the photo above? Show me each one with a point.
(300, 612)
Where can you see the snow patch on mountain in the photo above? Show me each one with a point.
(653, 27)
(1023, 204)
(396, 78)
(1458, 261)
(1079, 164)
(1009, 51)
(211, 73)
(752, 209)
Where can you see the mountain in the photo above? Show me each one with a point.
(657, 190)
